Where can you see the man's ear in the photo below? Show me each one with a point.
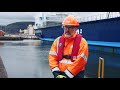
(76, 28)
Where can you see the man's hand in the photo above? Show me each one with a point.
(56, 73)
(61, 76)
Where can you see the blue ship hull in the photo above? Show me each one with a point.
(102, 36)
(107, 30)
(102, 33)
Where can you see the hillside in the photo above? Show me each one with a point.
(14, 28)
(2, 27)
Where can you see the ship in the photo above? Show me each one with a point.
(102, 30)
(47, 22)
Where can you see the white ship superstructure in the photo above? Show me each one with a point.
(46, 19)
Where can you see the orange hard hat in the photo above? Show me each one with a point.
(70, 21)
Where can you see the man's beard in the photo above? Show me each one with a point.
(67, 34)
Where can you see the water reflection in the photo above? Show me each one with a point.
(21, 43)
(26, 59)
(1, 44)
(29, 59)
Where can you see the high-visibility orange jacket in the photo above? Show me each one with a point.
(70, 68)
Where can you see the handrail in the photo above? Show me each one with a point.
(100, 16)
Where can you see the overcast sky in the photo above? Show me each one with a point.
(11, 17)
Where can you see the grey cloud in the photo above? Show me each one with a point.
(10, 17)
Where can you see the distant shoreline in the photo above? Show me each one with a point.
(10, 38)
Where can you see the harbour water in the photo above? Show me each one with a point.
(29, 59)
(25, 59)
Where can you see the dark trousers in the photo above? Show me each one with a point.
(80, 75)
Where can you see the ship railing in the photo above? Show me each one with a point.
(106, 15)
(58, 19)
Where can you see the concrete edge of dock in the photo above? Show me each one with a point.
(3, 72)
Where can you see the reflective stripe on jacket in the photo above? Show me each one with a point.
(66, 65)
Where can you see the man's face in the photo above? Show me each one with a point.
(69, 30)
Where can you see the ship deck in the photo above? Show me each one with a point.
(96, 43)
(107, 44)
(109, 47)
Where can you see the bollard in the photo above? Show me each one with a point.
(101, 71)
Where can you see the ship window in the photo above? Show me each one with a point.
(40, 18)
(47, 18)
(80, 31)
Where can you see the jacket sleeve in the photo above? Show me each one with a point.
(79, 64)
(53, 62)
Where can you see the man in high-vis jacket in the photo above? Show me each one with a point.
(69, 53)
